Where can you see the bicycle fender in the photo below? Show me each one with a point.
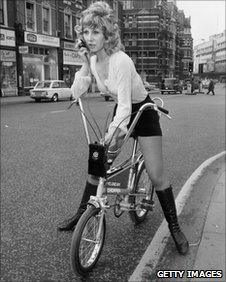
(94, 203)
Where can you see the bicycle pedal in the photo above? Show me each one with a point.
(146, 201)
(147, 204)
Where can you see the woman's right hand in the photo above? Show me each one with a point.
(82, 52)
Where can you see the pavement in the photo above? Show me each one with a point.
(203, 221)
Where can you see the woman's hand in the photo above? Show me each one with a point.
(112, 138)
(83, 52)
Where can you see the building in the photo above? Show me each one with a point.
(210, 57)
(68, 17)
(157, 37)
(8, 64)
(40, 45)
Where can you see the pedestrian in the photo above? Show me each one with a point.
(115, 73)
(211, 87)
(163, 84)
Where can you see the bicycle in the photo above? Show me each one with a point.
(128, 181)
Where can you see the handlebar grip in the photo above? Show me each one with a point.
(163, 110)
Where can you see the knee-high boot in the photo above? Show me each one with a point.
(167, 202)
(69, 224)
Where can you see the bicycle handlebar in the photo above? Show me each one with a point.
(142, 108)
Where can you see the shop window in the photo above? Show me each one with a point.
(46, 51)
(30, 50)
(35, 50)
(67, 25)
(41, 51)
(46, 17)
(30, 16)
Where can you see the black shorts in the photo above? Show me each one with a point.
(148, 123)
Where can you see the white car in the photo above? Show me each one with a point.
(53, 90)
(148, 86)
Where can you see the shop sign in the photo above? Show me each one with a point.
(7, 56)
(23, 49)
(69, 45)
(71, 58)
(7, 37)
(41, 39)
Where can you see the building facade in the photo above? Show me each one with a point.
(157, 37)
(8, 63)
(39, 36)
(38, 40)
(210, 57)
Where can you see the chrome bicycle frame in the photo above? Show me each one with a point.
(99, 200)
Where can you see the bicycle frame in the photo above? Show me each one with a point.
(130, 164)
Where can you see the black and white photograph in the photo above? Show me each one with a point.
(112, 140)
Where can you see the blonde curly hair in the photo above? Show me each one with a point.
(100, 15)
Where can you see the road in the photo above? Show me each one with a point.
(43, 171)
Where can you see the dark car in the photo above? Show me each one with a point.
(171, 86)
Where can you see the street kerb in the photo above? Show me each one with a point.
(153, 252)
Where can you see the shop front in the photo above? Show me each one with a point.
(8, 73)
(71, 63)
(39, 58)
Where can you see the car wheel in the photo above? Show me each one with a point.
(37, 100)
(55, 98)
(106, 98)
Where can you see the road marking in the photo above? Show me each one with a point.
(55, 112)
(158, 243)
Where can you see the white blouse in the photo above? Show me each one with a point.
(123, 84)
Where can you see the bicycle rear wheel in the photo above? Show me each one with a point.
(144, 188)
(88, 240)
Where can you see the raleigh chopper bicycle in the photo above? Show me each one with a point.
(127, 181)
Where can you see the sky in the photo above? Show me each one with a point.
(207, 17)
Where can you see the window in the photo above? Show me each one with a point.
(30, 16)
(55, 84)
(1, 12)
(67, 25)
(63, 85)
(46, 18)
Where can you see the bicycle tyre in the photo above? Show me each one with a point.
(138, 216)
(85, 254)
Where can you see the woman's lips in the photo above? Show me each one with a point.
(91, 46)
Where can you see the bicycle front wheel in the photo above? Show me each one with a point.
(88, 240)
(144, 190)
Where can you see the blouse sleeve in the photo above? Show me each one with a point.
(123, 82)
(80, 85)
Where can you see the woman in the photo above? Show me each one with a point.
(115, 73)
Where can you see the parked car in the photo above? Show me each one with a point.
(149, 86)
(53, 90)
(171, 86)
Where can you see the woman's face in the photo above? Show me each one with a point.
(94, 39)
